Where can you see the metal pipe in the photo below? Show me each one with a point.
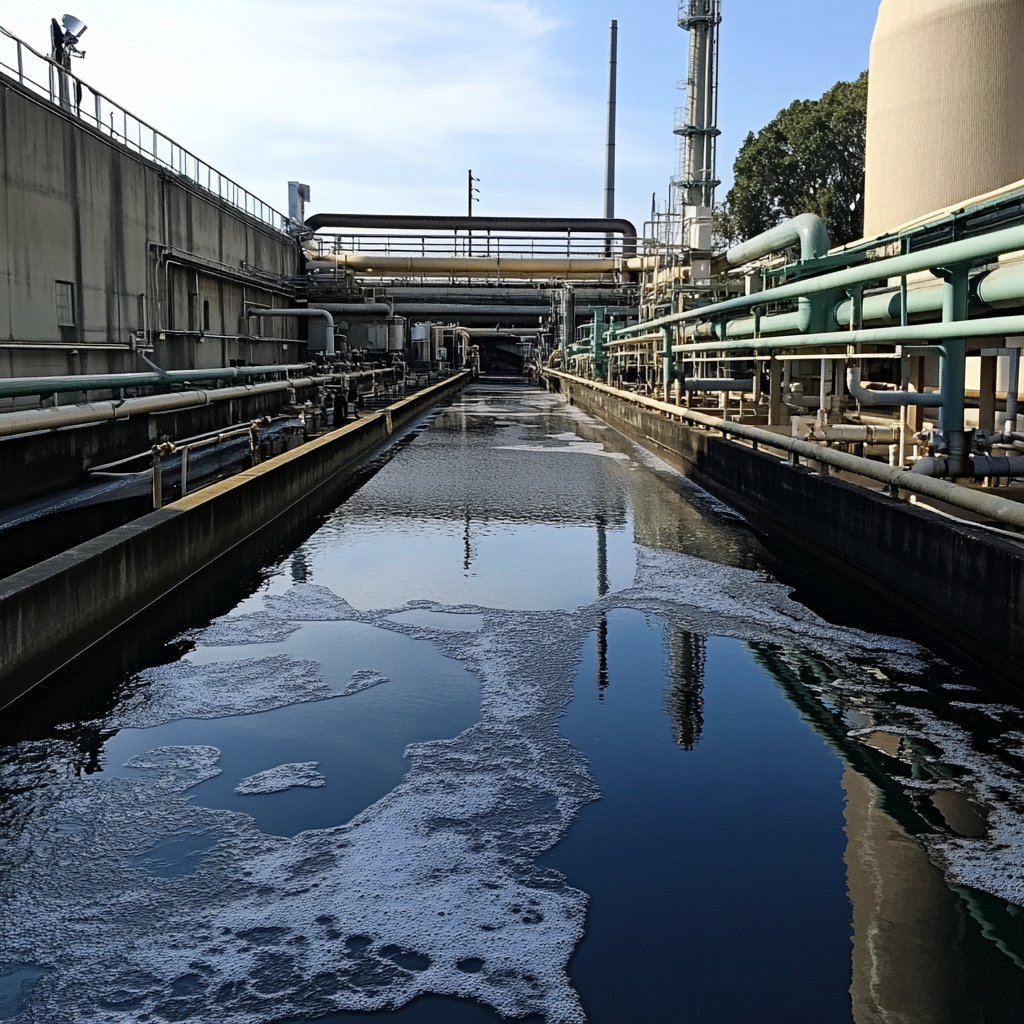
(893, 477)
(976, 466)
(718, 384)
(856, 433)
(524, 225)
(891, 398)
(916, 334)
(953, 370)
(317, 314)
(355, 308)
(968, 251)
(98, 412)
(999, 288)
(443, 309)
(807, 229)
(22, 387)
(1012, 391)
(476, 266)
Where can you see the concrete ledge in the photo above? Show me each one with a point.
(55, 610)
(962, 587)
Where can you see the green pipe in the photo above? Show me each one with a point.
(22, 387)
(953, 364)
(917, 334)
(967, 251)
(1000, 287)
(666, 359)
(806, 228)
(597, 349)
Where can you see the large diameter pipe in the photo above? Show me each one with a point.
(355, 308)
(33, 420)
(969, 251)
(473, 266)
(980, 466)
(522, 225)
(999, 288)
(311, 314)
(870, 398)
(23, 387)
(443, 309)
(806, 229)
(916, 334)
(856, 433)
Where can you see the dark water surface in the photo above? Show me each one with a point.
(526, 728)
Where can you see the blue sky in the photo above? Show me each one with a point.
(382, 105)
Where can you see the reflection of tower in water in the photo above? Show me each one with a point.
(602, 619)
(300, 566)
(685, 697)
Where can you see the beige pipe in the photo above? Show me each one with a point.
(99, 412)
(476, 266)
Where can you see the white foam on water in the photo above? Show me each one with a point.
(238, 630)
(220, 689)
(363, 679)
(284, 776)
(582, 448)
(307, 602)
(459, 622)
(436, 878)
(409, 897)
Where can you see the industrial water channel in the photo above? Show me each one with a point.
(526, 728)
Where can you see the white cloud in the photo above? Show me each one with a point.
(378, 105)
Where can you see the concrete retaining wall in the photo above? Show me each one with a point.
(79, 211)
(960, 586)
(54, 611)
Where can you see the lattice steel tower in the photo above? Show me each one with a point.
(697, 122)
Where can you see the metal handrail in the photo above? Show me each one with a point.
(109, 118)
(894, 478)
(483, 244)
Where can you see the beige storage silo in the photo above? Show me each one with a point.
(945, 106)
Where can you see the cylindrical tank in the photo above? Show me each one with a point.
(945, 106)
(396, 333)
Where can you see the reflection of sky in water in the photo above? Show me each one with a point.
(716, 874)
(359, 740)
(516, 566)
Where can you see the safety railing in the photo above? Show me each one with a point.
(480, 244)
(41, 75)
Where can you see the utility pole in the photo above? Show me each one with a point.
(470, 197)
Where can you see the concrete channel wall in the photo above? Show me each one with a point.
(40, 462)
(98, 243)
(54, 611)
(962, 587)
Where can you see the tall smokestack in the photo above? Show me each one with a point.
(609, 161)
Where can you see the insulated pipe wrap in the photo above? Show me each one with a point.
(807, 230)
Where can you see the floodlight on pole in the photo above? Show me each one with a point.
(64, 37)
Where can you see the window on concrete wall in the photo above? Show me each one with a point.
(206, 315)
(65, 304)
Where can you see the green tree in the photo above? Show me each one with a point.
(809, 159)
